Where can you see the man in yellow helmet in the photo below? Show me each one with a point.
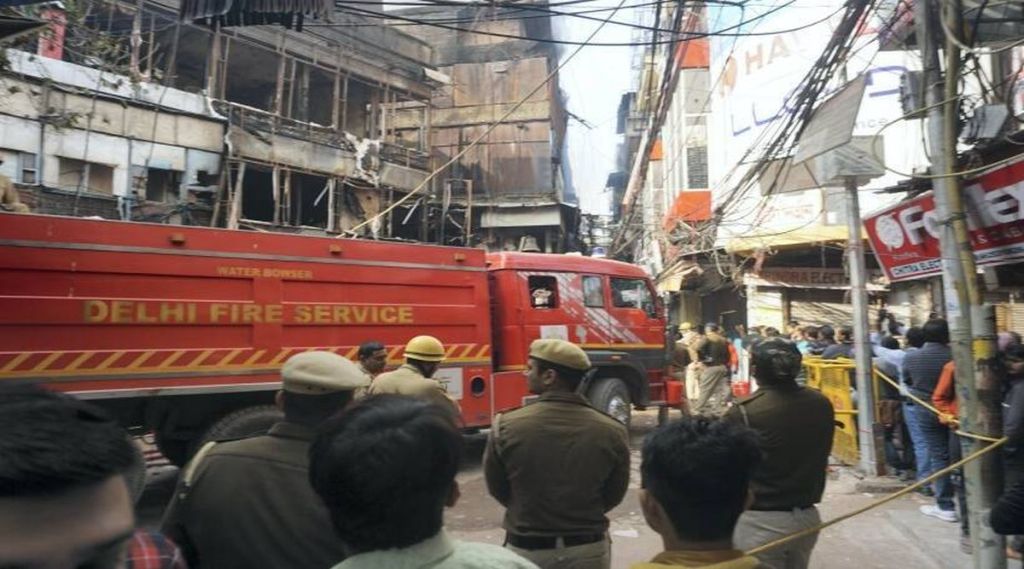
(423, 355)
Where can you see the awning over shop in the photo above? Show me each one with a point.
(790, 238)
(673, 277)
(689, 206)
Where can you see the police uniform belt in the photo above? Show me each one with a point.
(782, 508)
(532, 542)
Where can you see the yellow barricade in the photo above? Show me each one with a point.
(812, 371)
(832, 378)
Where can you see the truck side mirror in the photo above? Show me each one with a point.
(655, 309)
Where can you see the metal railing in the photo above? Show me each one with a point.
(258, 120)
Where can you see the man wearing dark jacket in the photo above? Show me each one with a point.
(844, 347)
(248, 504)
(921, 371)
(715, 388)
(795, 427)
(1007, 516)
(1013, 415)
(1013, 455)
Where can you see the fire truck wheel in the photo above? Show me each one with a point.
(611, 396)
(247, 422)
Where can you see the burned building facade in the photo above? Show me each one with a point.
(122, 110)
(513, 189)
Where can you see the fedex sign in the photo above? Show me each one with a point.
(905, 237)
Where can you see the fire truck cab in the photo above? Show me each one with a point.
(181, 331)
(607, 307)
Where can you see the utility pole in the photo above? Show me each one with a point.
(866, 424)
(971, 327)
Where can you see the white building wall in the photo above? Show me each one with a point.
(55, 123)
(753, 77)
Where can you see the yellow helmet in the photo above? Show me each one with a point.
(425, 348)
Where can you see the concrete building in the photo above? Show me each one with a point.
(664, 207)
(138, 114)
(769, 249)
(79, 143)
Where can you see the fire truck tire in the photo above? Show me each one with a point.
(244, 423)
(611, 395)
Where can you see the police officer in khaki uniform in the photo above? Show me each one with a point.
(423, 355)
(248, 504)
(558, 465)
(795, 426)
(714, 386)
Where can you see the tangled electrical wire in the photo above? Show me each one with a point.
(673, 35)
(775, 142)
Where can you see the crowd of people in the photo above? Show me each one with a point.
(358, 473)
(361, 468)
(918, 440)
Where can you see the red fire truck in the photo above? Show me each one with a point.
(182, 330)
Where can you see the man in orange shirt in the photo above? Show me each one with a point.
(944, 399)
(944, 396)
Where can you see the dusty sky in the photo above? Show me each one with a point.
(594, 81)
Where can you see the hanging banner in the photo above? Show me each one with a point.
(905, 237)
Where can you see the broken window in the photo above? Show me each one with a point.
(252, 75)
(162, 185)
(301, 199)
(99, 35)
(258, 194)
(78, 175)
(543, 291)
(309, 200)
(187, 71)
(158, 39)
(18, 166)
(320, 96)
(356, 112)
(28, 168)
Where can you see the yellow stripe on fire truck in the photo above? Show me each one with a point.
(85, 363)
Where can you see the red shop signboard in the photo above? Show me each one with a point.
(905, 237)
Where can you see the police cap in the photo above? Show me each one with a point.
(560, 352)
(314, 373)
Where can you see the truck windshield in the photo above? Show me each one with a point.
(631, 293)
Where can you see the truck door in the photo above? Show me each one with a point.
(634, 308)
(576, 309)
